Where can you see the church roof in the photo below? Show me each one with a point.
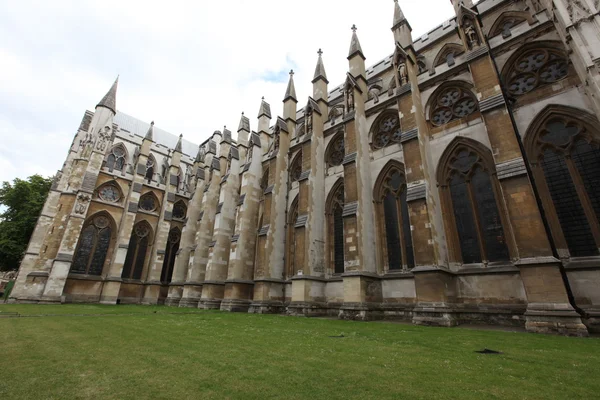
(161, 137)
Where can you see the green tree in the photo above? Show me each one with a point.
(20, 206)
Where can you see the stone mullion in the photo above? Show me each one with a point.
(188, 236)
(213, 290)
(240, 274)
(193, 286)
(153, 283)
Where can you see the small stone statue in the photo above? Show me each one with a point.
(471, 36)
(402, 74)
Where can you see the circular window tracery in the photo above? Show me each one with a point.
(535, 68)
(387, 131)
(336, 153)
(179, 210)
(148, 202)
(453, 103)
(109, 193)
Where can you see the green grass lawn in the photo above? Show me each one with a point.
(130, 352)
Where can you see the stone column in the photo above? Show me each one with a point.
(213, 290)
(362, 287)
(308, 290)
(112, 283)
(188, 235)
(269, 282)
(154, 292)
(192, 290)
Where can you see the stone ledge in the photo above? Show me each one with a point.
(364, 274)
(39, 274)
(536, 261)
(309, 278)
(81, 277)
(239, 281)
(398, 275)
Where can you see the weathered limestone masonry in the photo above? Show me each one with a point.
(188, 235)
(455, 181)
(195, 278)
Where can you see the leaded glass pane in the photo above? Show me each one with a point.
(392, 232)
(179, 210)
(119, 164)
(465, 107)
(110, 162)
(99, 257)
(449, 98)
(109, 193)
(522, 84)
(408, 243)
(587, 160)
(442, 116)
(465, 221)
(148, 203)
(532, 61)
(554, 71)
(464, 161)
(84, 251)
(396, 180)
(571, 216)
(489, 217)
(558, 133)
(338, 240)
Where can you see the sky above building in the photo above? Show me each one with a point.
(193, 67)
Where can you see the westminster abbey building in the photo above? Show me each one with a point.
(455, 181)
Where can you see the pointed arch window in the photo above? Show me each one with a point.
(335, 151)
(393, 219)
(170, 254)
(93, 246)
(335, 226)
(137, 251)
(386, 130)
(565, 156)
(296, 168)
(534, 65)
(450, 103)
(448, 54)
(179, 210)
(115, 161)
(471, 203)
(291, 239)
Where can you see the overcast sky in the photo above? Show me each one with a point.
(191, 66)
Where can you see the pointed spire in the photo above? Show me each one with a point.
(398, 14)
(178, 147)
(290, 93)
(150, 133)
(265, 109)
(244, 124)
(320, 70)
(110, 98)
(355, 47)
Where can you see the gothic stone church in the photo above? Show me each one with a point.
(455, 181)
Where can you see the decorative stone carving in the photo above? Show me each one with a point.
(402, 74)
(104, 138)
(471, 34)
(82, 202)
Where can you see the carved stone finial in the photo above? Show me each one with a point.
(320, 52)
(354, 28)
(291, 72)
(152, 123)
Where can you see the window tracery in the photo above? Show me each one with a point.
(109, 192)
(336, 151)
(566, 163)
(387, 130)
(452, 103)
(535, 67)
(296, 168)
(393, 217)
(116, 158)
(148, 202)
(179, 210)
(93, 246)
(292, 244)
(137, 250)
(170, 253)
(467, 187)
(335, 211)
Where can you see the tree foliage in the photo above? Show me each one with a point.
(20, 206)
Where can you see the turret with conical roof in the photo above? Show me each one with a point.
(243, 130)
(110, 98)
(290, 101)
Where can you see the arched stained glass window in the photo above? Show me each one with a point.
(535, 64)
(335, 151)
(451, 103)
(170, 254)
(137, 250)
(336, 228)
(148, 202)
(565, 159)
(94, 242)
(393, 216)
(386, 130)
(469, 190)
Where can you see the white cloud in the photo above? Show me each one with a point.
(190, 66)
